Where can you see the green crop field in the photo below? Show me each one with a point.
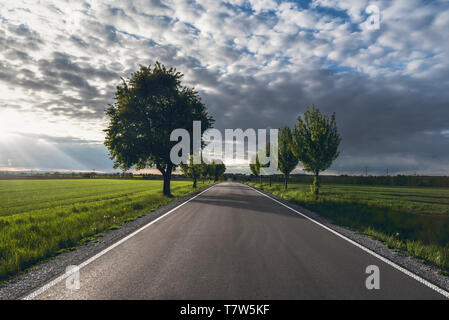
(39, 218)
(412, 220)
(420, 200)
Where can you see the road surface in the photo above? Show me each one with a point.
(231, 242)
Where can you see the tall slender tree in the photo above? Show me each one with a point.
(315, 143)
(255, 168)
(287, 161)
(192, 170)
(265, 169)
(204, 168)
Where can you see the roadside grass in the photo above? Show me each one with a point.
(39, 219)
(413, 221)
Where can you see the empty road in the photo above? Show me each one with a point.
(232, 242)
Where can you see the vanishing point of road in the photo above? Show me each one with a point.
(232, 242)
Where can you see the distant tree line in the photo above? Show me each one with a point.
(211, 171)
(95, 175)
(398, 180)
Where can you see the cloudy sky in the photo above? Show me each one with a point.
(256, 64)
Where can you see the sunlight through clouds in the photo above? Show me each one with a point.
(12, 121)
(256, 64)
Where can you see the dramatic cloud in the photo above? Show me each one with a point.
(257, 64)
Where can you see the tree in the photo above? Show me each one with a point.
(191, 170)
(217, 169)
(287, 161)
(208, 171)
(315, 143)
(148, 107)
(204, 171)
(255, 169)
(268, 152)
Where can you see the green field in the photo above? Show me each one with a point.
(419, 200)
(412, 220)
(39, 218)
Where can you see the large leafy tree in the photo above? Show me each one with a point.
(315, 143)
(286, 159)
(148, 107)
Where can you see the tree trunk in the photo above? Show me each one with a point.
(316, 184)
(285, 181)
(270, 181)
(194, 182)
(167, 178)
(260, 180)
(167, 185)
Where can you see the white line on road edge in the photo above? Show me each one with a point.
(52, 283)
(389, 262)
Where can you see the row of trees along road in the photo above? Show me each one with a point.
(148, 107)
(213, 170)
(313, 141)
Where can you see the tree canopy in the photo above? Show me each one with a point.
(148, 107)
(255, 167)
(217, 168)
(315, 142)
(287, 161)
(192, 170)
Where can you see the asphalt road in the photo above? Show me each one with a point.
(234, 243)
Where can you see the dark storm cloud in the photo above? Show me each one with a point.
(62, 62)
(380, 127)
(25, 78)
(21, 37)
(79, 42)
(14, 54)
(23, 31)
(59, 74)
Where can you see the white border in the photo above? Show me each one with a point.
(54, 282)
(389, 262)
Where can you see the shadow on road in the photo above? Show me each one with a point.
(241, 197)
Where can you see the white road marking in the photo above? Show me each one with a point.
(57, 280)
(389, 262)
(62, 277)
